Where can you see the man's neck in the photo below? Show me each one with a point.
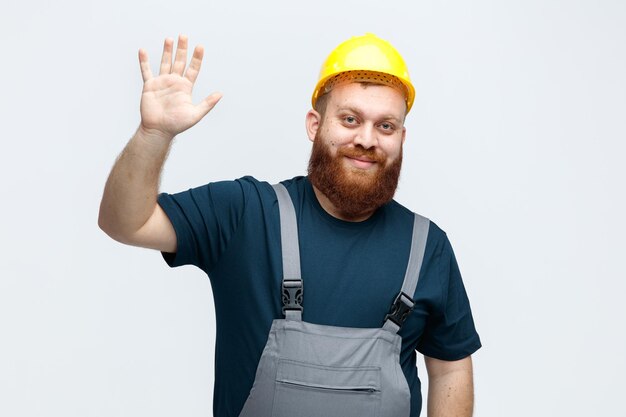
(330, 208)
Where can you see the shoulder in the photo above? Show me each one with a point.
(253, 194)
(437, 237)
(251, 184)
(224, 196)
(295, 185)
(248, 189)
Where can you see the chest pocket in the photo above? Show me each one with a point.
(312, 390)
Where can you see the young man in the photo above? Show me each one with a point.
(352, 242)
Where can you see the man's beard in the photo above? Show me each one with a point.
(352, 191)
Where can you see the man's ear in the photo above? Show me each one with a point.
(403, 134)
(313, 119)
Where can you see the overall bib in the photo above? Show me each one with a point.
(311, 370)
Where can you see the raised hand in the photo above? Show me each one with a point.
(166, 104)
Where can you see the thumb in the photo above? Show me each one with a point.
(207, 104)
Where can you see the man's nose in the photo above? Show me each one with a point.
(366, 137)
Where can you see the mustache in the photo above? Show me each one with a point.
(360, 152)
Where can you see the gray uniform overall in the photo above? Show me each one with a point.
(311, 370)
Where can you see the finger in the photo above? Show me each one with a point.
(194, 66)
(166, 58)
(146, 74)
(207, 104)
(181, 56)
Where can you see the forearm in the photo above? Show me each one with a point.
(130, 193)
(451, 394)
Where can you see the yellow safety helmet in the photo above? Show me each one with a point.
(365, 58)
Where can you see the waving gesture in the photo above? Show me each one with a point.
(166, 104)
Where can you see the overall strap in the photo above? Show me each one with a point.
(403, 304)
(292, 281)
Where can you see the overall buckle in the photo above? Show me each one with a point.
(292, 294)
(400, 309)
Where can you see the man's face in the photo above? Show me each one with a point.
(357, 147)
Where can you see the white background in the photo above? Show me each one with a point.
(515, 147)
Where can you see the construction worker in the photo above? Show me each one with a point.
(324, 286)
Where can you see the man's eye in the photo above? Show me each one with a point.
(350, 119)
(386, 126)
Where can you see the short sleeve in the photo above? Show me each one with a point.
(450, 333)
(204, 219)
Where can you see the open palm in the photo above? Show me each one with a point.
(166, 103)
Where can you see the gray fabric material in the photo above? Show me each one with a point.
(311, 370)
(288, 234)
(289, 242)
(390, 326)
(416, 257)
(293, 315)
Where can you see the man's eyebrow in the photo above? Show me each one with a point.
(394, 118)
(350, 109)
(359, 113)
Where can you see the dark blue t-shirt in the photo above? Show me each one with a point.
(352, 272)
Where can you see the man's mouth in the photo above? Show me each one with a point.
(361, 161)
